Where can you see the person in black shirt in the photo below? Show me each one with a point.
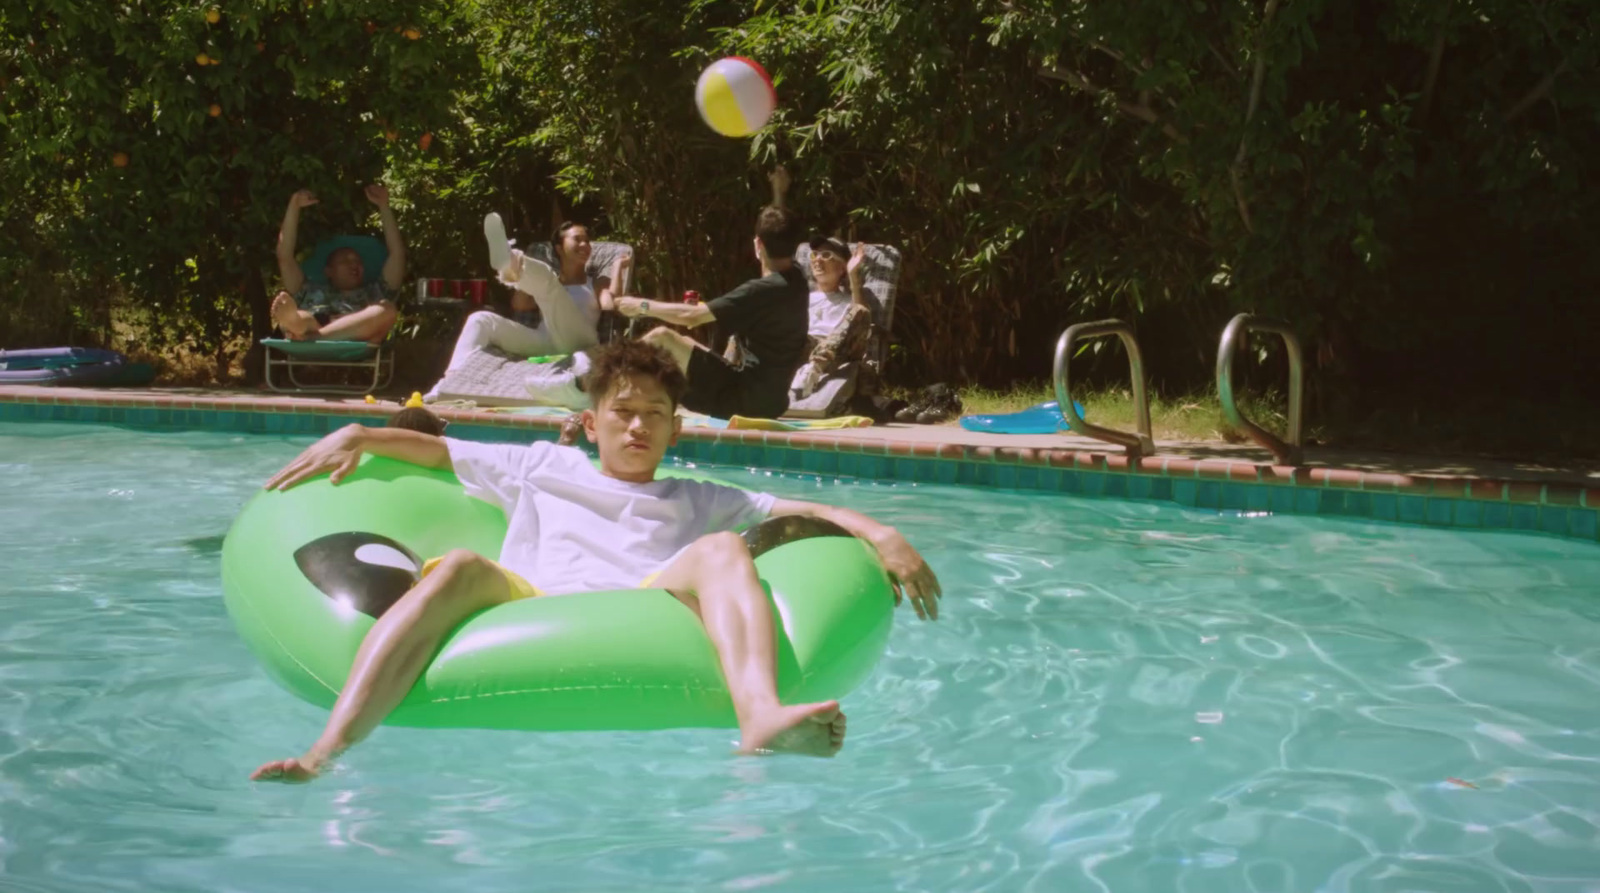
(767, 317)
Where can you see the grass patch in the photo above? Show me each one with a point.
(1195, 417)
(1556, 430)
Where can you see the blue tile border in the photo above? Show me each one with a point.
(1307, 491)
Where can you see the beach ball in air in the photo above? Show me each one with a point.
(735, 96)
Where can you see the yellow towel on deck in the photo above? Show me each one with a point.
(844, 421)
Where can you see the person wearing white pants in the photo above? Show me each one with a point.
(569, 302)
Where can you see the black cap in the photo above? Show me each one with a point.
(832, 244)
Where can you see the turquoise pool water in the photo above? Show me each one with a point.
(1122, 696)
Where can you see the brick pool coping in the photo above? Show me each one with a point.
(1563, 502)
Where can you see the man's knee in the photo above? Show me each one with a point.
(462, 573)
(661, 336)
(715, 555)
(723, 547)
(480, 320)
(461, 562)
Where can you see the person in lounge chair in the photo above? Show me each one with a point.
(348, 307)
(841, 321)
(767, 317)
(573, 528)
(568, 301)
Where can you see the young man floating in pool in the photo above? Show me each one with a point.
(572, 528)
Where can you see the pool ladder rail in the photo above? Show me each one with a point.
(1136, 444)
(1288, 450)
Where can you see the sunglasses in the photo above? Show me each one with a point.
(826, 254)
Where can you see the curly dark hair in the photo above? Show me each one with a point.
(612, 364)
(415, 418)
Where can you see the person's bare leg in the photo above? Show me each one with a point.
(297, 324)
(681, 346)
(367, 324)
(716, 577)
(393, 654)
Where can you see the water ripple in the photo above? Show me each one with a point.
(1122, 696)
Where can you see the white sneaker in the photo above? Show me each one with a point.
(551, 386)
(580, 364)
(494, 230)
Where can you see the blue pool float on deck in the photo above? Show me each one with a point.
(81, 366)
(1044, 418)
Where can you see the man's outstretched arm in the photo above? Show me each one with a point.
(907, 569)
(340, 452)
(394, 269)
(288, 269)
(690, 315)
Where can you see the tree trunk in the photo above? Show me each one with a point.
(254, 293)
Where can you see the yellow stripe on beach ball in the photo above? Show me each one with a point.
(720, 107)
(735, 96)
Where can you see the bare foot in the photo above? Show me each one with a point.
(296, 770)
(815, 730)
(295, 323)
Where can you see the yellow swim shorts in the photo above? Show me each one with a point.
(520, 588)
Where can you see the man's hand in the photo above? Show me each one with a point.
(631, 307)
(779, 178)
(616, 283)
(512, 274)
(853, 268)
(305, 198)
(378, 194)
(338, 453)
(909, 573)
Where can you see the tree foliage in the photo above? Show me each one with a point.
(1409, 183)
(168, 136)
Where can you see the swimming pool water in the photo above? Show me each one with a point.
(1121, 696)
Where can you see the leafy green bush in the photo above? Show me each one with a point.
(1409, 184)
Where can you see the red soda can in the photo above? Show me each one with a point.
(691, 297)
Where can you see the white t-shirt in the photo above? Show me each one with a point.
(572, 529)
(582, 295)
(827, 311)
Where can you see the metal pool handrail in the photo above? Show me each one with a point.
(1288, 451)
(1140, 444)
